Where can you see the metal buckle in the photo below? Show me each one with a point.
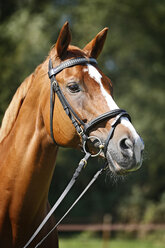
(80, 132)
(54, 83)
(84, 161)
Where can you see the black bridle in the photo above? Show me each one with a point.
(83, 129)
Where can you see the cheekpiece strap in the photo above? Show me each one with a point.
(55, 88)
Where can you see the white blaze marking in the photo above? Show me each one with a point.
(94, 73)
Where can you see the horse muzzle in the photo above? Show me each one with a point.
(125, 155)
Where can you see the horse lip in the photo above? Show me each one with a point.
(113, 166)
(118, 169)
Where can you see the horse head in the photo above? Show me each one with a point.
(90, 94)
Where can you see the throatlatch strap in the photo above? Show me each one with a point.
(66, 106)
(52, 102)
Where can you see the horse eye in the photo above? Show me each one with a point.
(73, 87)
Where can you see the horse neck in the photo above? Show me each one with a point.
(27, 158)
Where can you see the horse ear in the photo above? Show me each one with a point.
(63, 40)
(94, 47)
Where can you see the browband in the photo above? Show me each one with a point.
(70, 63)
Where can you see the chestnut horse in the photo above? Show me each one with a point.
(28, 153)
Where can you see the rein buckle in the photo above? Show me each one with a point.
(54, 84)
(80, 132)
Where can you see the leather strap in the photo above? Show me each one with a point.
(81, 164)
(101, 118)
(52, 102)
(70, 63)
(98, 173)
(113, 126)
(67, 107)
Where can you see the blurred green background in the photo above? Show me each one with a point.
(133, 57)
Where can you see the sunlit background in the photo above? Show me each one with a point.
(134, 59)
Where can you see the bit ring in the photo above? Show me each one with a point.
(100, 146)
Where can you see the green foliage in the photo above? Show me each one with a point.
(25, 42)
(155, 211)
(136, 208)
(132, 207)
(133, 58)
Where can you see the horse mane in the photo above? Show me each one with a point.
(14, 107)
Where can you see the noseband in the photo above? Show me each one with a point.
(83, 129)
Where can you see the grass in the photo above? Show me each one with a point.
(85, 241)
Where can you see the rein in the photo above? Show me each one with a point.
(83, 130)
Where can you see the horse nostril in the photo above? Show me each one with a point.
(125, 144)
